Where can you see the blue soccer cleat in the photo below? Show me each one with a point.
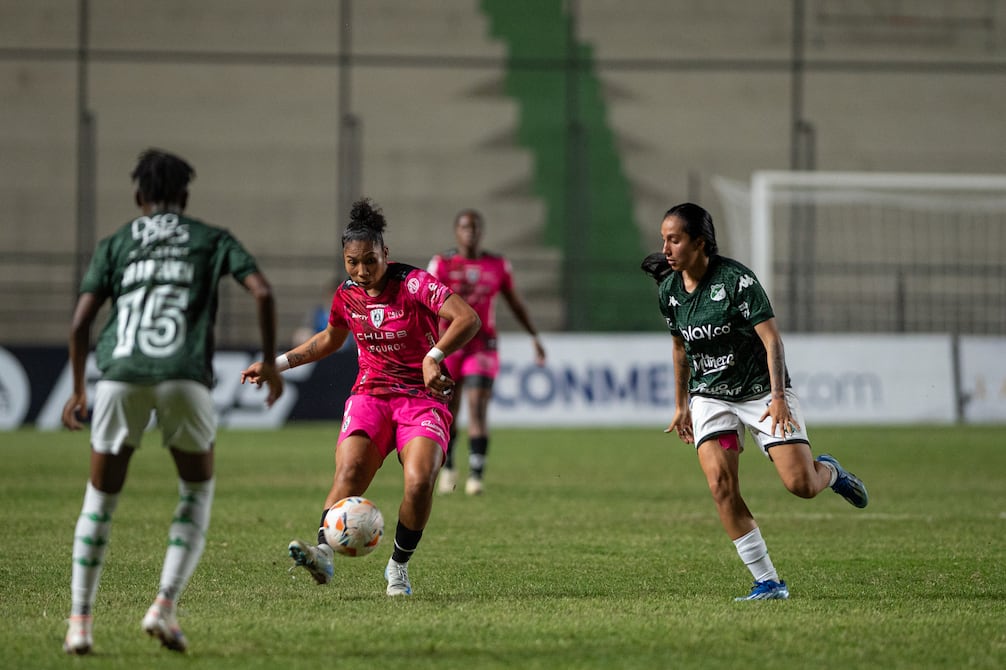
(847, 485)
(767, 590)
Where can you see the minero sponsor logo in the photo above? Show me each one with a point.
(705, 363)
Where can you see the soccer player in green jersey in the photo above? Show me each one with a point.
(730, 377)
(161, 272)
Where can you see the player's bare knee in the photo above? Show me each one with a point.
(803, 485)
(353, 476)
(419, 487)
(724, 489)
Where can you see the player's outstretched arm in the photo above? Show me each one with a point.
(265, 304)
(520, 312)
(463, 325)
(682, 423)
(778, 408)
(319, 346)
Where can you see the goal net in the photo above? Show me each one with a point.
(873, 252)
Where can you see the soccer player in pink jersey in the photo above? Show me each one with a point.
(399, 400)
(477, 276)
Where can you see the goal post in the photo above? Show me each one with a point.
(875, 251)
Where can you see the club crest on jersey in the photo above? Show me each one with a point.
(717, 292)
(413, 285)
(377, 316)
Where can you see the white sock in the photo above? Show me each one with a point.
(752, 550)
(186, 537)
(90, 540)
(833, 470)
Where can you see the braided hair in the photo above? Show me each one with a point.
(366, 224)
(162, 177)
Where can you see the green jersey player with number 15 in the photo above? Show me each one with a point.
(160, 272)
(730, 378)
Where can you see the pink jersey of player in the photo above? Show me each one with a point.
(477, 280)
(393, 330)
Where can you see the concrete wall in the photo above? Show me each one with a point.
(250, 92)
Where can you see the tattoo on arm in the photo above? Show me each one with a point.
(297, 359)
(777, 366)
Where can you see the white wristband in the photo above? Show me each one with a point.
(436, 355)
(282, 363)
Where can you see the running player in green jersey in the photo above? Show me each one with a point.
(161, 272)
(730, 377)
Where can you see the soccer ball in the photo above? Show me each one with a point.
(353, 526)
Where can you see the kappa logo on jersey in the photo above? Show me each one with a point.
(717, 292)
(413, 286)
(745, 281)
(436, 289)
(377, 316)
(673, 302)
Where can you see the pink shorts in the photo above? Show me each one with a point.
(392, 421)
(471, 362)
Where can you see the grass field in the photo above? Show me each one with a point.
(591, 549)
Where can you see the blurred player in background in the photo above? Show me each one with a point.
(161, 272)
(477, 276)
(316, 319)
(399, 400)
(730, 376)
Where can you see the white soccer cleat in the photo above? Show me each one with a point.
(316, 559)
(397, 575)
(160, 623)
(78, 636)
(448, 481)
(473, 486)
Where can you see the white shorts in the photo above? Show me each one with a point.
(122, 412)
(712, 418)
